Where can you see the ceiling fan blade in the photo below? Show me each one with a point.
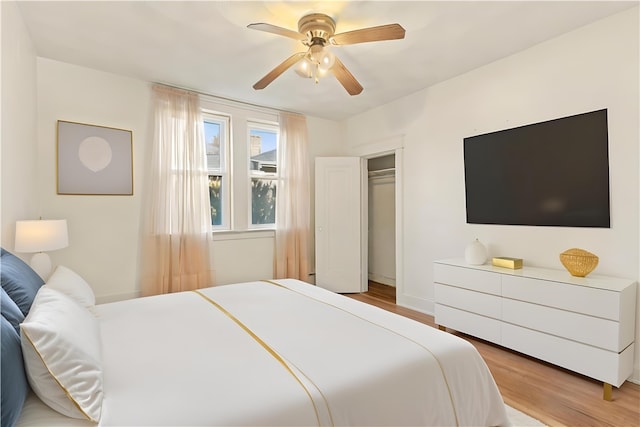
(261, 26)
(371, 34)
(281, 68)
(345, 78)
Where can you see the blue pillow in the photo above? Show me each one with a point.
(10, 310)
(19, 280)
(14, 380)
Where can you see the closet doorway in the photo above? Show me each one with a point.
(382, 220)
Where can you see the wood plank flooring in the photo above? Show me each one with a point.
(553, 395)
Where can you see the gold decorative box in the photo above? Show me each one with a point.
(578, 261)
(507, 262)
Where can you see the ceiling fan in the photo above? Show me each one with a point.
(316, 31)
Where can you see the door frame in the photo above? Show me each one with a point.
(392, 145)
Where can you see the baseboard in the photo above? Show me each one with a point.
(389, 281)
(414, 303)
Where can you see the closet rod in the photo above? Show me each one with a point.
(382, 172)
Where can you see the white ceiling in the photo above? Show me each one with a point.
(206, 46)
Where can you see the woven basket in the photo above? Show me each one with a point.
(578, 261)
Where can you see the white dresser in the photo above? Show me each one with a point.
(584, 324)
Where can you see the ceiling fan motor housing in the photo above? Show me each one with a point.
(318, 27)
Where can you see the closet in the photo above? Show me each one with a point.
(382, 220)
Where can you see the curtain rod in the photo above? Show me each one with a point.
(260, 108)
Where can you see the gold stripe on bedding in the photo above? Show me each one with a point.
(444, 377)
(272, 352)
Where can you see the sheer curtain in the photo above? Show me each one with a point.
(293, 200)
(176, 217)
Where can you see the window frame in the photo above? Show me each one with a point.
(224, 120)
(266, 126)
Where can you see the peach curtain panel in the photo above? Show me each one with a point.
(176, 218)
(292, 254)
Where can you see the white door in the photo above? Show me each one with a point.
(340, 252)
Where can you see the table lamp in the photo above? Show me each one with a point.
(39, 236)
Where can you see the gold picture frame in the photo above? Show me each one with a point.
(94, 160)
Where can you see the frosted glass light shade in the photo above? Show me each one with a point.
(304, 69)
(41, 235)
(326, 59)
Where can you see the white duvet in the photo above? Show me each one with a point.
(283, 353)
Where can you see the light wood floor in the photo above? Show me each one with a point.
(553, 395)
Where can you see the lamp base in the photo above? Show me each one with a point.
(41, 264)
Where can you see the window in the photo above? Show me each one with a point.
(242, 162)
(216, 135)
(263, 173)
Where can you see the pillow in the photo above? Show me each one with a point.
(71, 284)
(19, 280)
(14, 383)
(10, 311)
(62, 355)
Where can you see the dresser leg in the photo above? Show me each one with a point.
(607, 391)
(442, 328)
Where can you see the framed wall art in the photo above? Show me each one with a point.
(94, 160)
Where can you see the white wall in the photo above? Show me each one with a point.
(382, 229)
(588, 69)
(18, 133)
(103, 230)
(325, 140)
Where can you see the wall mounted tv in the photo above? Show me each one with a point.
(554, 173)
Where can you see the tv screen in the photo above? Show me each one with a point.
(554, 173)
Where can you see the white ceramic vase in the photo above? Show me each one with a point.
(475, 253)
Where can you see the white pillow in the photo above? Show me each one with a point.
(62, 355)
(71, 284)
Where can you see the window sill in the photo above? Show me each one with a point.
(244, 234)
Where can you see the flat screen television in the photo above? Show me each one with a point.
(554, 173)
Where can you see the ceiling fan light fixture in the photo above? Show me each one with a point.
(316, 63)
(315, 52)
(304, 69)
(327, 59)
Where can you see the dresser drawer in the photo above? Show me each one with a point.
(469, 323)
(467, 300)
(589, 330)
(468, 278)
(569, 297)
(607, 366)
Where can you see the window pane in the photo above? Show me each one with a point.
(212, 141)
(263, 150)
(215, 199)
(263, 201)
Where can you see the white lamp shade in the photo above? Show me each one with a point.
(41, 235)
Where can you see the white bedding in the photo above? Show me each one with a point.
(282, 353)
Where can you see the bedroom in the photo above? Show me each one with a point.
(575, 72)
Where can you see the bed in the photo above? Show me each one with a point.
(274, 352)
